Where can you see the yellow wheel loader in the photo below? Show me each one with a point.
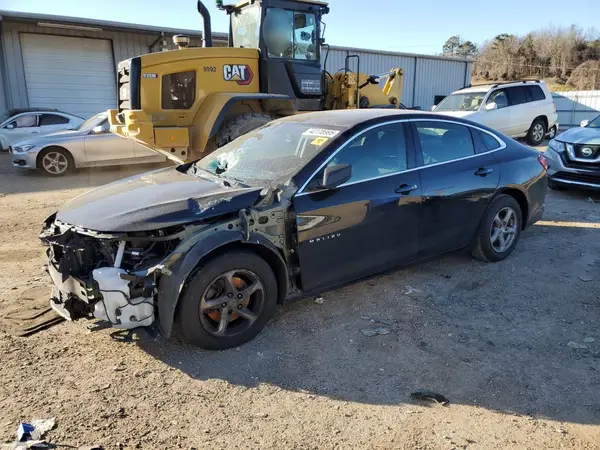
(188, 102)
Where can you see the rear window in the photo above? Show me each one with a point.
(484, 141)
(179, 90)
(536, 93)
(52, 119)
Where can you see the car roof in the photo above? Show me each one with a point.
(16, 111)
(349, 118)
(487, 87)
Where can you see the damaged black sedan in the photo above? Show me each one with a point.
(298, 206)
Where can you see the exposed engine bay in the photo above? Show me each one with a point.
(108, 277)
(115, 277)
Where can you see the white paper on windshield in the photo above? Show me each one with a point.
(321, 132)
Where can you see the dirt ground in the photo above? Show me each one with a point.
(490, 337)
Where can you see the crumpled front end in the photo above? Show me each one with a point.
(112, 277)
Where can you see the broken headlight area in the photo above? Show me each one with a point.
(104, 276)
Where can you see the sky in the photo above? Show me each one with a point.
(420, 26)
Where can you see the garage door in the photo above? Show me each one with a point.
(74, 75)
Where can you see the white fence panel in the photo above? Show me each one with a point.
(574, 106)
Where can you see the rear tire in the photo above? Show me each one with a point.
(199, 320)
(55, 161)
(240, 125)
(552, 132)
(536, 133)
(495, 230)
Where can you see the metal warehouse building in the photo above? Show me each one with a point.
(69, 63)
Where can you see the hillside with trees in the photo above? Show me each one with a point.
(568, 58)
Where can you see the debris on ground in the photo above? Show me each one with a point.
(380, 320)
(591, 200)
(430, 396)
(586, 278)
(577, 345)
(411, 290)
(589, 340)
(370, 332)
(319, 300)
(30, 434)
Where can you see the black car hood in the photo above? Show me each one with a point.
(154, 200)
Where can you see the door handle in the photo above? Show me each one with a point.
(483, 171)
(405, 189)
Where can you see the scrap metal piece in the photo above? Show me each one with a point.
(430, 396)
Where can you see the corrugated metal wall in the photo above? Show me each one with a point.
(125, 45)
(424, 77)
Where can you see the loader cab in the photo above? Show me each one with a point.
(288, 35)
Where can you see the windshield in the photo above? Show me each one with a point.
(245, 27)
(92, 122)
(594, 123)
(470, 101)
(290, 34)
(269, 155)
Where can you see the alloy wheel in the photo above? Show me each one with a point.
(55, 163)
(552, 133)
(504, 230)
(538, 132)
(232, 303)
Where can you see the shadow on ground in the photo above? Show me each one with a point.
(18, 181)
(491, 335)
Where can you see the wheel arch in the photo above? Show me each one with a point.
(171, 287)
(521, 199)
(46, 149)
(544, 118)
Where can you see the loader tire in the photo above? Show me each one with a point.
(240, 125)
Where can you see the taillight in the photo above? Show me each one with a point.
(543, 161)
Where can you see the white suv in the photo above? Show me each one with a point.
(517, 109)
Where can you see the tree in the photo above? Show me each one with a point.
(466, 48)
(451, 46)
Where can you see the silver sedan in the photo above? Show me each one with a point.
(90, 145)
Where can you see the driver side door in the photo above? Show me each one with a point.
(368, 224)
(107, 148)
(22, 127)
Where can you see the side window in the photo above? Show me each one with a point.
(52, 119)
(105, 126)
(518, 95)
(536, 93)
(484, 142)
(499, 97)
(442, 141)
(179, 90)
(377, 152)
(28, 121)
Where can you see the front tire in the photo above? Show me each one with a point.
(240, 125)
(55, 161)
(499, 231)
(536, 133)
(228, 301)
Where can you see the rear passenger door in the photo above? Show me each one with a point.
(51, 123)
(521, 111)
(459, 176)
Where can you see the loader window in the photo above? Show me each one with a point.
(290, 35)
(179, 90)
(245, 27)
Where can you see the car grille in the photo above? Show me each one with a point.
(585, 177)
(579, 151)
(128, 76)
(578, 164)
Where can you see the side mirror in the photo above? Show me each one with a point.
(335, 176)
(491, 106)
(97, 130)
(433, 107)
(10, 126)
(584, 123)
